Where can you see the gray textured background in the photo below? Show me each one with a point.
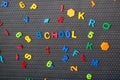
(105, 10)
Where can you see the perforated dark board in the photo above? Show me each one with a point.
(12, 18)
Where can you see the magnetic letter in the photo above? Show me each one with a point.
(54, 35)
(89, 46)
(73, 34)
(81, 15)
(1, 59)
(22, 5)
(33, 6)
(94, 62)
(65, 49)
(76, 52)
(68, 34)
(4, 4)
(83, 58)
(26, 19)
(38, 35)
(91, 23)
(47, 49)
(61, 34)
(90, 34)
(47, 35)
(106, 26)
(73, 68)
(65, 58)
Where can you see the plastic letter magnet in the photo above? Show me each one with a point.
(22, 5)
(33, 6)
(4, 4)
(18, 34)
